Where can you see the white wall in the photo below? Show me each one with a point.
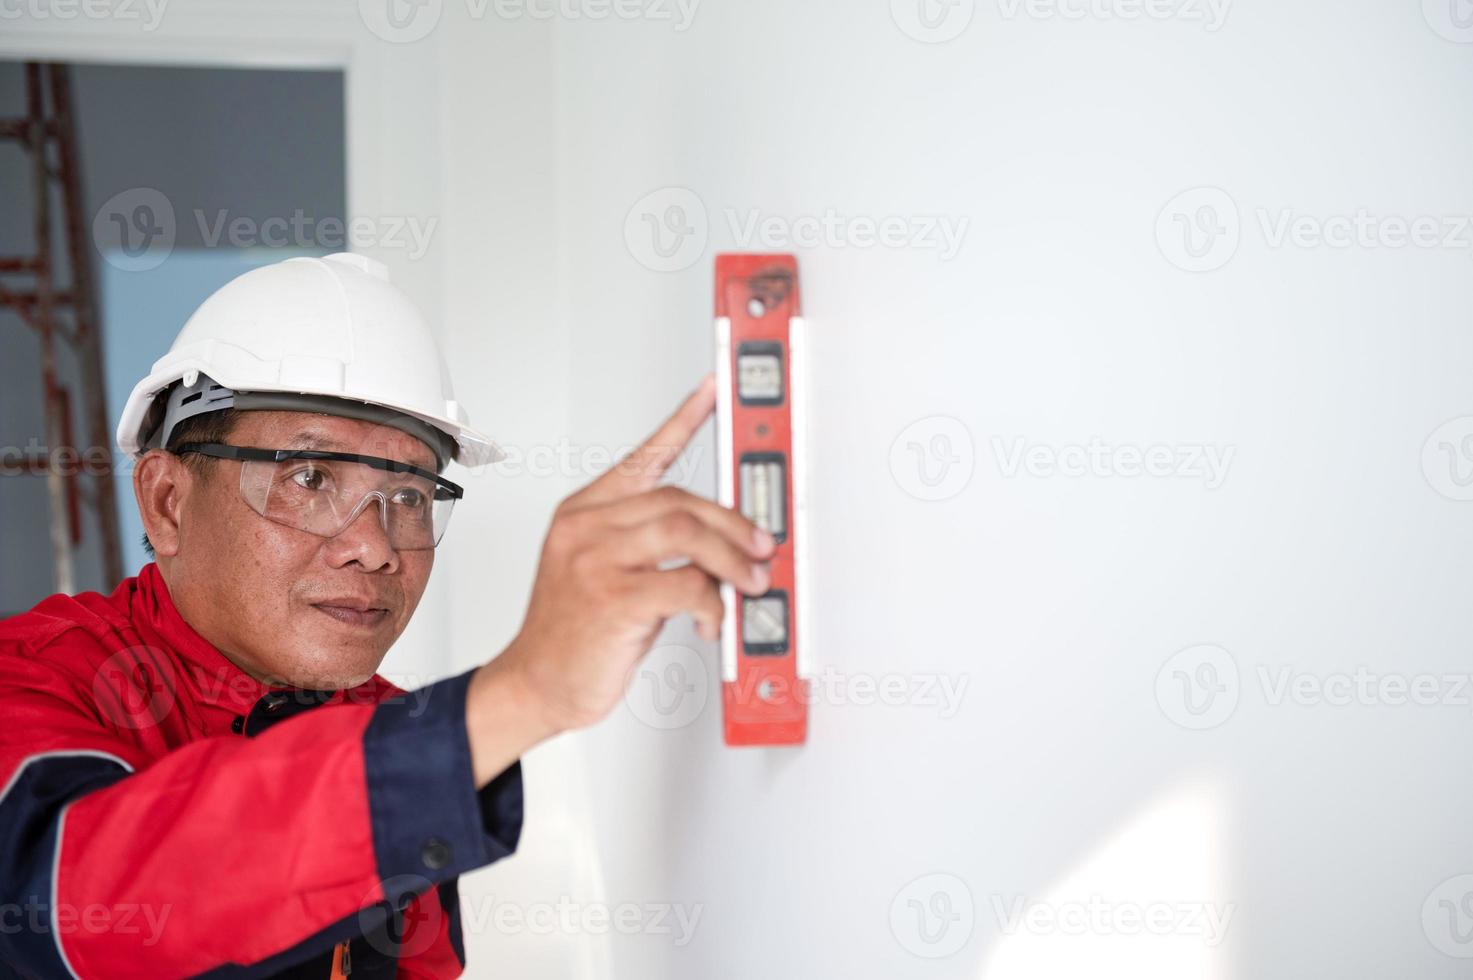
(1321, 830)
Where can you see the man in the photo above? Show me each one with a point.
(202, 773)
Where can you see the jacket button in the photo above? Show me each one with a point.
(436, 854)
(238, 725)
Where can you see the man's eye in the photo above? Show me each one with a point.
(409, 497)
(310, 479)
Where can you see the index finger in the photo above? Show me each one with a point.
(642, 469)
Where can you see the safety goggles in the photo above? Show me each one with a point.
(322, 492)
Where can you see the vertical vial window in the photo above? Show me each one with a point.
(763, 477)
(760, 373)
(765, 624)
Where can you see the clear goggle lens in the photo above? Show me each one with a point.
(324, 496)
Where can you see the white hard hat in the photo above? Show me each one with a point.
(333, 327)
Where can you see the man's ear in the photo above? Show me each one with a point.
(161, 481)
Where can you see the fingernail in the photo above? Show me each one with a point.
(763, 541)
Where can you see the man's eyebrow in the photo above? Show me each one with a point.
(315, 439)
(312, 439)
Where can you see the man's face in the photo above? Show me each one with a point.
(286, 605)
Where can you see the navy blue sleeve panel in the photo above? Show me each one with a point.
(450, 905)
(429, 822)
(32, 811)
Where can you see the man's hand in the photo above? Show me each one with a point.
(604, 588)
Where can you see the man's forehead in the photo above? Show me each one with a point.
(303, 430)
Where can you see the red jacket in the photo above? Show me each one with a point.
(151, 826)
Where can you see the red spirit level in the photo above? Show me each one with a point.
(760, 417)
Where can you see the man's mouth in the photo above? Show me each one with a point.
(352, 613)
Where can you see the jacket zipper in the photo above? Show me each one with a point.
(342, 960)
(342, 953)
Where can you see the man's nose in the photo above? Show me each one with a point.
(365, 538)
